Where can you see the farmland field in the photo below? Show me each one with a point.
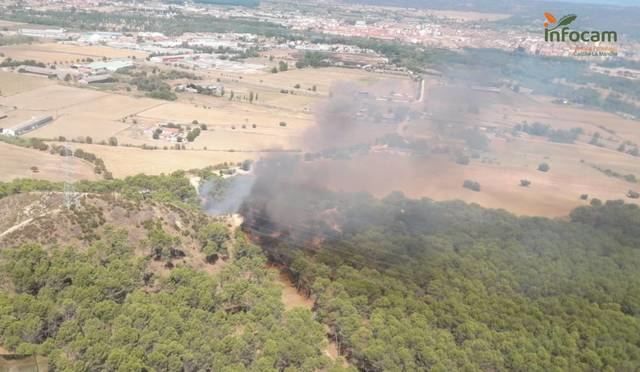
(17, 162)
(77, 112)
(127, 161)
(322, 78)
(552, 194)
(239, 130)
(65, 53)
(11, 83)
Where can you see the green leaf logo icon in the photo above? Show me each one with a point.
(565, 21)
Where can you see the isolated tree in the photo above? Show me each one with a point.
(246, 165)
(283, 66)
(471, 185)
(283, 124)
(633, 194)
(584, 196)
(543, 167)
(595, 202)
(88, 140)
(274, 70)
(525, 183)
(113, 141)
(251, 96)
(463, 159)
(35, 169)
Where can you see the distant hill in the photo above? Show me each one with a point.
(248, 3)
(619, 15)
(606, 2)
(502, 6)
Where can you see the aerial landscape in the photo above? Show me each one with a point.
(351, 185)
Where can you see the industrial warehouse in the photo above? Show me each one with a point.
(27, 126)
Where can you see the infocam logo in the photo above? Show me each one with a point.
(558, 31)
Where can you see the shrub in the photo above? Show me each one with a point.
(471, 185)
(462, 159)
(543, 167)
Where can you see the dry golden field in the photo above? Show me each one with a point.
(66, 53)
(508, 160)
(323, 78)
(77, 112)
(16, 162)
(11, 83)
(10, 25)
(552, 194)
(239, 130)
(127, 161)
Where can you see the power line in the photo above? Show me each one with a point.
(70, 194)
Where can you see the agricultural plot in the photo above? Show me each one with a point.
(551, 194)
(127, 161)
(66, 53)
(10, 25)
(51, 97)
(77, 112)
(13, 83)
(322, 78)
(18, 161)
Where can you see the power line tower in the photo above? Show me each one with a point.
(70, 194)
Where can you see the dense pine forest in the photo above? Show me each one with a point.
(151, 284)
(397, 284)
(409, 285)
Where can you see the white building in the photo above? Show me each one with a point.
(49, 33)
(27, 126)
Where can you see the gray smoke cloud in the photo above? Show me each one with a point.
(336, 126)
(225, 196)
(346, 125)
